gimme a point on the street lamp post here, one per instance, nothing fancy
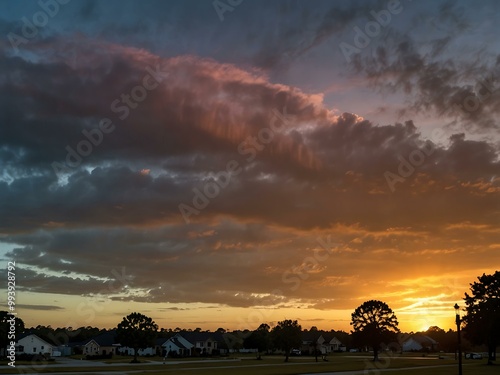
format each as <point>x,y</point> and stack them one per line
<point>458,321</point>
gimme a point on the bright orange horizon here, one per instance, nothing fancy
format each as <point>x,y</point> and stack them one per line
<point>414,313</point>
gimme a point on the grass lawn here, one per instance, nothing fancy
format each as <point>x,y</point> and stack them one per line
<point>127,359</point>
<point>297,365</point>
<point>468,369</point>
<point>276,366</point>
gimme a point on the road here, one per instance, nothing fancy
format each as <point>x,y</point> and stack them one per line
<point>378,371</point>
<point>67,362</point>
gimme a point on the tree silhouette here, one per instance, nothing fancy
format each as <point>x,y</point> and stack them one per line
<point>287,335</point>
<point>5,328</point>
<point>374,323</point>
<point>482,319</point>
<point>137,331</point>
<point>259,339</point>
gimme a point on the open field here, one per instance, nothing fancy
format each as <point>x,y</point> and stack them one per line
<point>272,365</point>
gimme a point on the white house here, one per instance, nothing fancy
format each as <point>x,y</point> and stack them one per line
<point>32,344</point>
<point>183,344</point>
<point>102,344</point>
<point>418,342</point>
<point>334,345</point>
<point>203,342</point>
<point>323,343</point>
<point>91,347</point>
<point>150,351</point>
<point>177,345</point>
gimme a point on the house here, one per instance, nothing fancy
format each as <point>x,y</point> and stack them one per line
<point>334,344</point>
<point>311,341</point>
<point>102,344</point>
<point>30,343</point>
<point>194,343</point>
<point>177,346</point>
<point>90,347</point>
<point>203,342</point>
<point>107,343</point>
<point>419,342</point>
<point>320,341</point>
<point>157,349</point>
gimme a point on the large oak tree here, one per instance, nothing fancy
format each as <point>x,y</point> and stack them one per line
<point>259,339</point>
<point>137,331</point>
<point>374,323</point>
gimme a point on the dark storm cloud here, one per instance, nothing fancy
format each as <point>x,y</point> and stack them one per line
<point>444,87</point>
<point>191,126</point>
<point>82,96</point>
<point>106,195</point>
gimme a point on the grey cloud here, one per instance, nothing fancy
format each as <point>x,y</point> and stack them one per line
<point>39,307</point>
<point>433,74</point>
<point>186,264</point>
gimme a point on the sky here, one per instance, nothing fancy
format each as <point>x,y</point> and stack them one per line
<point>231,163</point>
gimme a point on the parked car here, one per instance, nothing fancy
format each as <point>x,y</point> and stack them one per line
<point>473,356</point>
<point>295,352</point>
